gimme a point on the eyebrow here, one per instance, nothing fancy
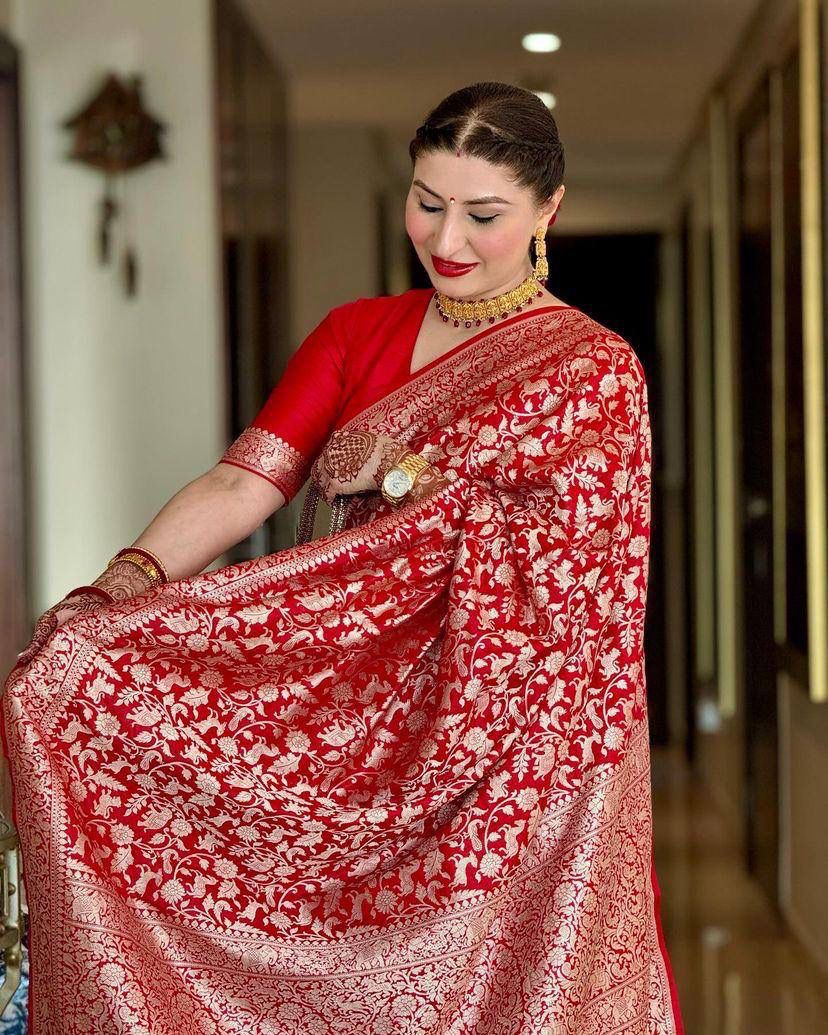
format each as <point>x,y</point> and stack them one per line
<point>490,199</point>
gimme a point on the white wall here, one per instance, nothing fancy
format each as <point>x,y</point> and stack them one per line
<point>334,174</point>
<point>125,396</point>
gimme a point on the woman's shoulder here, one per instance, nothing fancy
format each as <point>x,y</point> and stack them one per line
<point>610,340</point>
<point>598,350</point>
<point>377,308</point>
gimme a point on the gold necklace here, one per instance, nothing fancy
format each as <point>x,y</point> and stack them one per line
<point>480,309</point>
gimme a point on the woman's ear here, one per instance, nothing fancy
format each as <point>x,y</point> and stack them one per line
<point>551,207</point>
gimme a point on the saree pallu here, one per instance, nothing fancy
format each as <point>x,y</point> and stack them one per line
<point>392,780</point>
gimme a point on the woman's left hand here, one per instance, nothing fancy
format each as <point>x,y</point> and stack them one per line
<point>55,616</point>
<point>355,461</point>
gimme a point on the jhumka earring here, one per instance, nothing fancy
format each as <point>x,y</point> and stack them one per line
<point>541,267</point>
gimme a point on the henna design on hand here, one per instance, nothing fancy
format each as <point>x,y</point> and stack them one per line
<point>348,463</point>
<point>346,454</point>
<point>123,579</point>
<point>55,616</point>
<point>429,480</point>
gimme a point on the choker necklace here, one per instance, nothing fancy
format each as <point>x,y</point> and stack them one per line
<point>480,309</point>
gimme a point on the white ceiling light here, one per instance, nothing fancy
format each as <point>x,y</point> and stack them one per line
<point>547,97</point>
<point>541,42</point>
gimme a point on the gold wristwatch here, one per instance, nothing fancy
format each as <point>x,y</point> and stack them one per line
<point>400,478</point>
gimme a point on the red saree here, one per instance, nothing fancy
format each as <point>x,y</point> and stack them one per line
<point>392,780</point>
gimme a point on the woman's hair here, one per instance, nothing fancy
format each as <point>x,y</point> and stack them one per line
<point>504,124</point>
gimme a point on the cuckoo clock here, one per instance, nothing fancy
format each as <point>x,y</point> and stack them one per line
<point>116,134</point>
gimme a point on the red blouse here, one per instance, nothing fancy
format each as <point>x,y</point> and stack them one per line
<point>356,355</point>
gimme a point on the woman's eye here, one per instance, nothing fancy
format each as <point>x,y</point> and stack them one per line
<point>477,219</point>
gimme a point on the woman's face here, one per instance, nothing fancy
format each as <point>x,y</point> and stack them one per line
<point>492,236</point>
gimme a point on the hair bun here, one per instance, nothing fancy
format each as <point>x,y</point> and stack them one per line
<point>500,123</point>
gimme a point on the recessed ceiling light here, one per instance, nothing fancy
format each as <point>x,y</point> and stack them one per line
<point>541,42</point>
<point>547,97</point>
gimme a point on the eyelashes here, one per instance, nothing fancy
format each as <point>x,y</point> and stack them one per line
<point>477,219</point>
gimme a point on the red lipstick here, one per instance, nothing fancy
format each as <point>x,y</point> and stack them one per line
<point>452,269</point>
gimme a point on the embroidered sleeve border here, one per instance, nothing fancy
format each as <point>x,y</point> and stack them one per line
<point>269,456</point>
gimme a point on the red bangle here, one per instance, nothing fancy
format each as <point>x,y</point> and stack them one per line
<point>150,557</point>
<point>91,589</point>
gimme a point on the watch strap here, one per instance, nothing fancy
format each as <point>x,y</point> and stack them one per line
<point>410,462</point>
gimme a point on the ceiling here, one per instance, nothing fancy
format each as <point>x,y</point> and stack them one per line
<point>630,77</point>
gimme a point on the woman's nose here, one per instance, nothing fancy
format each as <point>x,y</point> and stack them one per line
<point>451,237</point>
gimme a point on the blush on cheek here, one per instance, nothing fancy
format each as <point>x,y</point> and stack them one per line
<point>499,245</point>
<point>416,228</point>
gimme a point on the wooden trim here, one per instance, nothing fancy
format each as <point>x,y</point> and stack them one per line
<point>724,264</point>
<point>813,347</point>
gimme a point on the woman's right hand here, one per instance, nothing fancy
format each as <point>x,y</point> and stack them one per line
<point>54,617</point>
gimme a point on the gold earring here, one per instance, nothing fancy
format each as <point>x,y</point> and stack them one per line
<point>541,267</point>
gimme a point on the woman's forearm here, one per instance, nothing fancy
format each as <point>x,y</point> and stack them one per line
<point>206,517</point>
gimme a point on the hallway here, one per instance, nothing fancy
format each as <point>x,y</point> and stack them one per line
<point>737,971</point>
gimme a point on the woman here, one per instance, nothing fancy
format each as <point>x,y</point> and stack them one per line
<point>394,779</point>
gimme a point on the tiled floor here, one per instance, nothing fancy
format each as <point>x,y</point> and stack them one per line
<point>737,970</point>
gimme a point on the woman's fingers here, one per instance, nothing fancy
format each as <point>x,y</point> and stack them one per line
<point>52,619</point>
<point>44,627</point>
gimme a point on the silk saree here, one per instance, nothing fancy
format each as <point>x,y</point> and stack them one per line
<point>391,780</point>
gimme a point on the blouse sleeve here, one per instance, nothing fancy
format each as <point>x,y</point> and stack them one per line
<point>290,430</point>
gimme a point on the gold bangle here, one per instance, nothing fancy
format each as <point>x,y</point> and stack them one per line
<point>148,568</point>
<point>151,558</point>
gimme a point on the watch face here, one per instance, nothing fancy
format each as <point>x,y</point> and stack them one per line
<point>397,482</point>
